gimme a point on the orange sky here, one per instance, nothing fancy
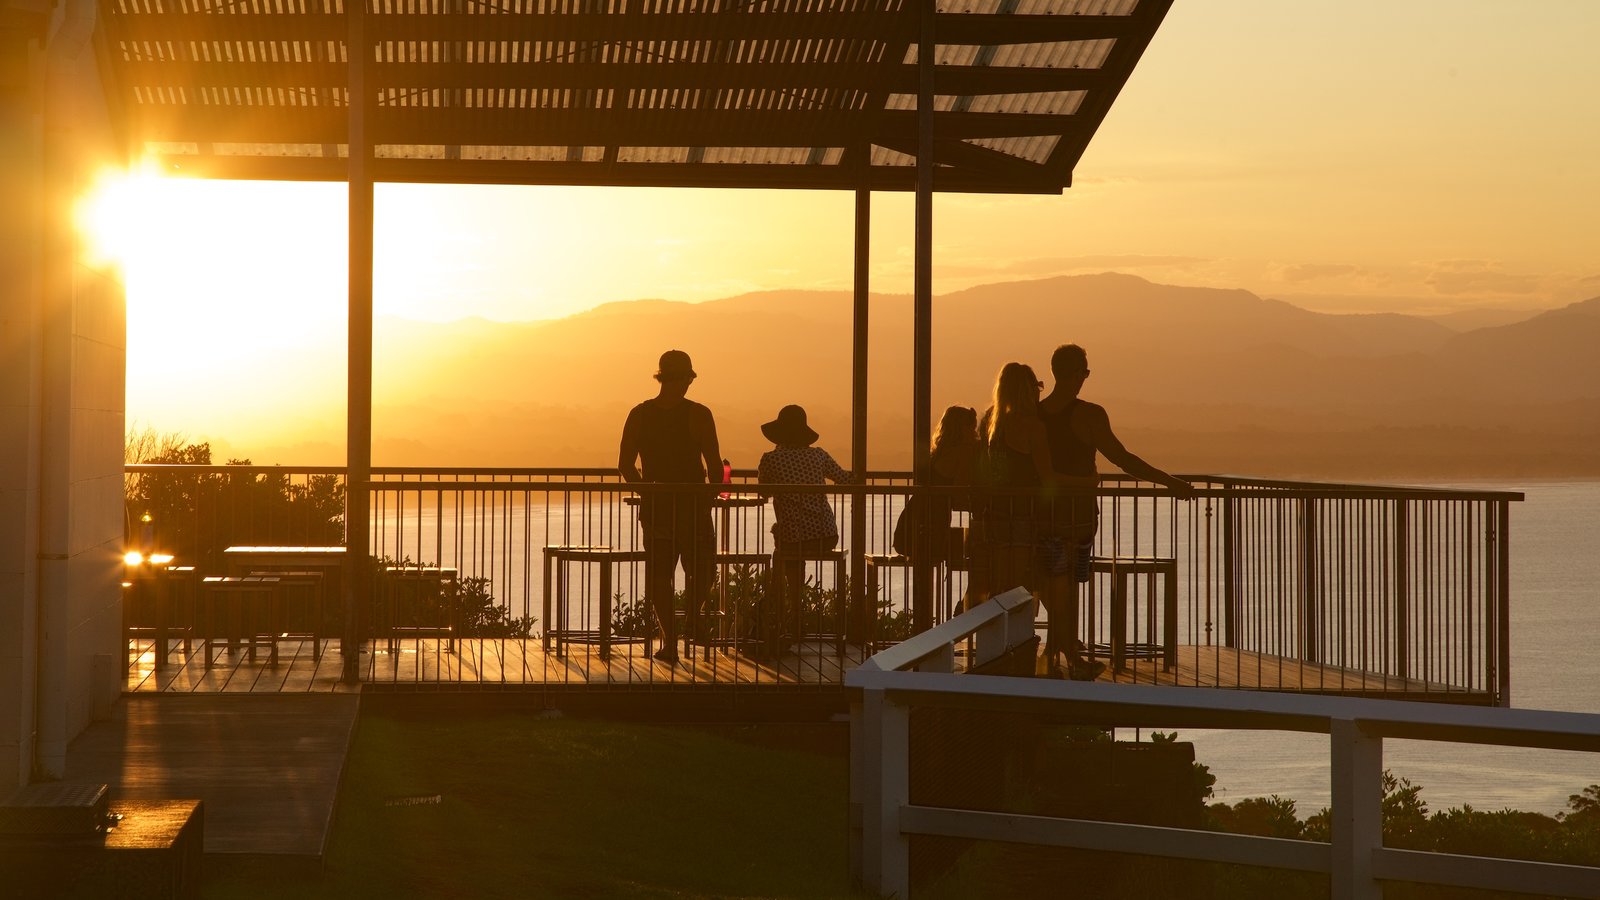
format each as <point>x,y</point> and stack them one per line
<point>1412,157</point>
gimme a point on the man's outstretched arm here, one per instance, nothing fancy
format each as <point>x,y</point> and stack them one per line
<point>628,451</point>
<point>1111,447</point>
<point>710,451</point>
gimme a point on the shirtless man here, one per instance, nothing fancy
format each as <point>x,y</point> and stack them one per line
<point>670,439</point>
<point>1077,430</point>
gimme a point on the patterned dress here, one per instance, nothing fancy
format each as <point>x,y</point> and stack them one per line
<point>801,517</point>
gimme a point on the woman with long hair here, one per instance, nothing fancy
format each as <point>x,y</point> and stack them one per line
<point>1017,467</point>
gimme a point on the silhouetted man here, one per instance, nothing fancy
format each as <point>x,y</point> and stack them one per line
<point>1077,430</point>
<point>674,441</point>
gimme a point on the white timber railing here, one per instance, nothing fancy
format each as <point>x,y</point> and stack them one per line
<point>921,673</point>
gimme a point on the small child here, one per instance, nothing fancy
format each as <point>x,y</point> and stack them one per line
<point>803,524</point>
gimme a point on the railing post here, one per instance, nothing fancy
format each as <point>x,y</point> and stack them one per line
<point>1310,599</point>
<point>1502,551</point>
<point>1357,762</point>
<point>1230,580</point>
<point>1402,587</point>
<point>885,789</point>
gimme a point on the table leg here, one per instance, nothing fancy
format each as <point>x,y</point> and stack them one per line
<point>163,613</point>
<point>549,625</point>
<point>1119,621</point>
<point>1169,619</point>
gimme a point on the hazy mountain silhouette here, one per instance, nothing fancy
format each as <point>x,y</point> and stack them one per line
<point>1197,379</point>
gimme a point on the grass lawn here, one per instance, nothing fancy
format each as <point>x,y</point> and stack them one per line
<point>529,806</point>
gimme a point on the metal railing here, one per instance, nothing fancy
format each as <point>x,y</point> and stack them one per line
<point>1254,584</point>
<point>921,674</point>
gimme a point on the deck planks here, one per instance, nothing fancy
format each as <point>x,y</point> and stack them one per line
<point>525,662</point>
<point>266,765</point>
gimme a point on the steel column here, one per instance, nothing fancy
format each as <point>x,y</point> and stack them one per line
<point>358,417</point>
<point>922,303</point>
<point>861,606</point>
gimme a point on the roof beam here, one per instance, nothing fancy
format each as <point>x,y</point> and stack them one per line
<point>900,78</point>
<point>715,25</point>
<point>561,127</point>
<point>470,171</point>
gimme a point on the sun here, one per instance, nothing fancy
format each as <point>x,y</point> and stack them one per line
<point>119,215</point>
<point>235,295</point>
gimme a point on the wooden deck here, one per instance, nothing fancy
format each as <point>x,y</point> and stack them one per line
<point>266,766</point>
<point>476,663</point>
<point>511,663</point>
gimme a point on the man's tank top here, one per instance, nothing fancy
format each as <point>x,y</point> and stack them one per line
<point>669,451</point>
<point>1073,456</point>
<point>1069,454</point>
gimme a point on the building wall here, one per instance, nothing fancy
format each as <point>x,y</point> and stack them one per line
<point>62,363</point>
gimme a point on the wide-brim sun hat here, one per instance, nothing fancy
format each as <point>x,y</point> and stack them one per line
<point>790,427</point>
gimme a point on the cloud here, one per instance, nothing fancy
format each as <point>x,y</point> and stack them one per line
<point>1591,279</point>
<point>1316,271</point>
<point>1453,277</point>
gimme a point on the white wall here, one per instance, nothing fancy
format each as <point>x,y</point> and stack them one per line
<point>62,360</point>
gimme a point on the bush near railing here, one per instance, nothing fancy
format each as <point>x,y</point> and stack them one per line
<point>197,510</point>
<point>467,602</point>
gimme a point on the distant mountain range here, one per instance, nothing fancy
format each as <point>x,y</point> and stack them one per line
<point>1196,379</point>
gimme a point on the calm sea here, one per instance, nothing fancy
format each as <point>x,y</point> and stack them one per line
<point>1555,664</point>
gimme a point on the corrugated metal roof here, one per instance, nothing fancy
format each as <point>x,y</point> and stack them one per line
<point>768,93</point>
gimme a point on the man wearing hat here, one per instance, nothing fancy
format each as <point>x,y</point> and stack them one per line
<point>803,524</point>
<point>670,439</point>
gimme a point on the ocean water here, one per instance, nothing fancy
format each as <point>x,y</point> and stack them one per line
<point>1555,664</point>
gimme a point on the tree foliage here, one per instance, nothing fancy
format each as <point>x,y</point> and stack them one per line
<point>195,515</point>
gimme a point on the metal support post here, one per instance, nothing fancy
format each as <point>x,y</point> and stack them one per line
<point>862,610</point>
<point>358,416</point>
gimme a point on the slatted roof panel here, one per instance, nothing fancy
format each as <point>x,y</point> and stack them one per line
<point>730,93</point>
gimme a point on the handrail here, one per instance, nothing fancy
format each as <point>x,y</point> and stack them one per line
<point>1207,485</point>
<point>1355,858</point>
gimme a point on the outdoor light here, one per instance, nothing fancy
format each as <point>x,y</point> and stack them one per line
<point>133,559</point>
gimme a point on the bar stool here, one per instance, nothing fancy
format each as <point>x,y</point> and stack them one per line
<point>557,558</point>
<point>240,609</point>
<point>726,615</point>
<point>301,607</point>
<point>836,558</point>
<point>1124,573</point>
<point>955,561</point>
<point>411,603</point>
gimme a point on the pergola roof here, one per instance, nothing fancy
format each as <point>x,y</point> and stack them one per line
<point>703,93</point>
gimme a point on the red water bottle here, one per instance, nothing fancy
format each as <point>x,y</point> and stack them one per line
<point>727,477</point>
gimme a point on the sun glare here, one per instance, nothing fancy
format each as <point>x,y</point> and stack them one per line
<point>115,216</point>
